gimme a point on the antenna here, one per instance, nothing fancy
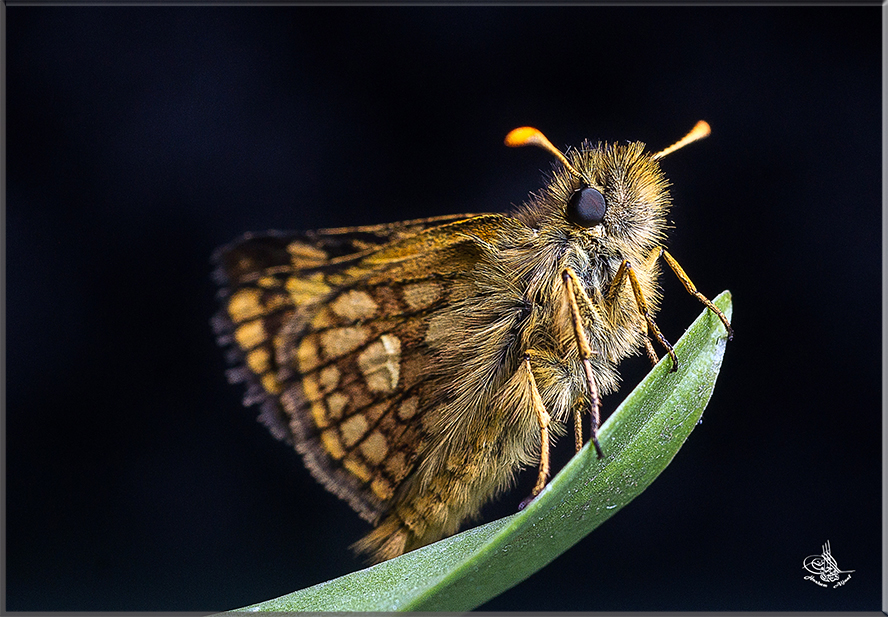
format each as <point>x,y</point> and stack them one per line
<point>700,130</point>
<point>529,136</point>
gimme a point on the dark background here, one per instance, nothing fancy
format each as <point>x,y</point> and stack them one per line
<point>139,139</point>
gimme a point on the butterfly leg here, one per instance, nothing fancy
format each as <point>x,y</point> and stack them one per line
<point>686,281</point>
<point>572,289</point>
<point>543,419</point>
<point>626,271</point>
<point>578,428</point>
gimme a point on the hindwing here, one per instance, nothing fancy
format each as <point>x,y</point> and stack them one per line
<point>327,329</point>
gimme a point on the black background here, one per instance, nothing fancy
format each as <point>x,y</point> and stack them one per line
<point>139,139</point>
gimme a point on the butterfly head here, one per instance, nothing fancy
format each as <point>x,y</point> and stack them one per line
<point>603,191</point>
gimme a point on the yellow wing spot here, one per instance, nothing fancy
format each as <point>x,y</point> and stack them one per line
<point>353,429</point>
<point>421,295</point>
<point>319,414</point>
<point>310,388</point>
<point>244,305</point>
<point>250,334</point>
<point>307,353</point>
<point>358,468</point>
<point>341,341</point>
<point>374,448</point>
<point>258,360</point>
<point>268,282</point>
<point>407,408</point>
<point>396,466</point>
<point>336,403</point>
<point>354,305</point>
<point>329,378</point>
<point>332,445</point>
<point>324,318</point>
<point>382,488</point>
<point>380,364</point>
<point>304,290</point>
<point>271,384</point>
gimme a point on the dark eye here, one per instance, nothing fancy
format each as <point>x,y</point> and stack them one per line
<point>586,207</point>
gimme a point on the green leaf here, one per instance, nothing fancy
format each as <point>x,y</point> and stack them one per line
<point>461,572</point>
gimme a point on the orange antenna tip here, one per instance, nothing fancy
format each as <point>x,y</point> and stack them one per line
<point>529,136</point>
<point>526,136</point>
<point>700,130</point>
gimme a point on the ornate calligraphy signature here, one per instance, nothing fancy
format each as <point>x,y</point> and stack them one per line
<point>824,565</point>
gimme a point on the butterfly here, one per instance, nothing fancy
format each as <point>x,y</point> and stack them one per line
<point>418,366</point>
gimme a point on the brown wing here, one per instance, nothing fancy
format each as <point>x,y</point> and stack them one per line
<point>331,342</point>
<point>264,277</point>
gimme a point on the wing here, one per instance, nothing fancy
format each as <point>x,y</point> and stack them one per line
<point>265,277</point>
<point>328,331</point>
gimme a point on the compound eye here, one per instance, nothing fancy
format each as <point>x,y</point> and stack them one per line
<point>586,207</point>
